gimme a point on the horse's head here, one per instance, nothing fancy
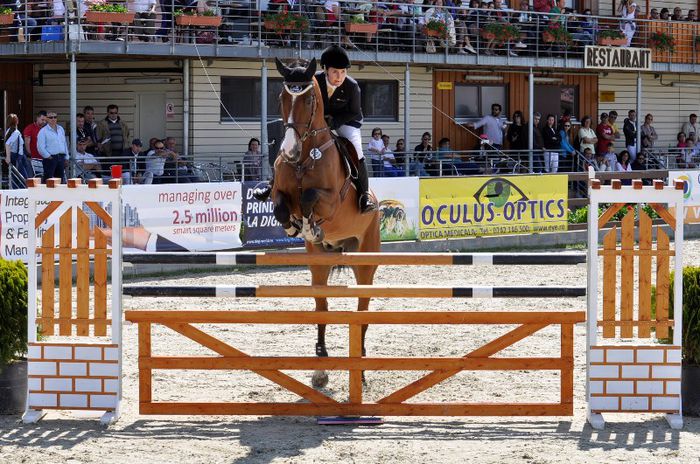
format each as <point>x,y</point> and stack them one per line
<point>299,101</point>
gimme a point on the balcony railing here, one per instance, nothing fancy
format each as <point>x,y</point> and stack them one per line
<point>230,27</point>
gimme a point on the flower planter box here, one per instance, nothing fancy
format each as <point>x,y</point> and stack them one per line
<point>612,42</point>
<point>277,27</point>
<point>191,20</point>
<point>364,28</point>
<point>7,19</point>
<point>102,17</point>
<point>547,37</point>
<point>433,33</point>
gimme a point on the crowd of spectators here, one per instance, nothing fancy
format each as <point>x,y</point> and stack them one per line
<point>102,148</point>
<point>503,146</point>
<point>400,22</point>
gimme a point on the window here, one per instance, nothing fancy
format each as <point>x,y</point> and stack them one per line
<point>556,100</point>
<point>380,100</point>
<point>474,101</point>
<point>241,97</point>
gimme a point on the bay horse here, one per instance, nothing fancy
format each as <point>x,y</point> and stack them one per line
<point>312,191</point>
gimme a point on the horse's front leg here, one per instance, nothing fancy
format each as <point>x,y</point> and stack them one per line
<point>319,276</point>
<point>282,213</point>
<point>316,203</point>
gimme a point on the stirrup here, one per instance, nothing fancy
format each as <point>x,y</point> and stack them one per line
<point>367,204</point>
<point>262,193</point>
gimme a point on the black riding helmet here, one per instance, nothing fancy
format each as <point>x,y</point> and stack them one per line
<point>335,57</point>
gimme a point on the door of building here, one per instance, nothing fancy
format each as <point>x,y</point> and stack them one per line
<point>150,116</point>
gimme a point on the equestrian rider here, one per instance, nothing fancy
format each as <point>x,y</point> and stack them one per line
<point>343,112</point>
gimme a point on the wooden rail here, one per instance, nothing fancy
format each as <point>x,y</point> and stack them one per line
<point>318,403</point>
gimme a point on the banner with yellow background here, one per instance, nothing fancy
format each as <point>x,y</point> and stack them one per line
<point>478,206</point>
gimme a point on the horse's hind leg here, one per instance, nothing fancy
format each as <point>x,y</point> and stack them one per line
<point>364,275</point>
<point>319,276</point>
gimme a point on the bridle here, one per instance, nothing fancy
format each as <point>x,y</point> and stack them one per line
<point>296,89</point>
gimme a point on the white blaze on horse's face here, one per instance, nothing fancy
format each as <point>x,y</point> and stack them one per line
<point>290,148</point>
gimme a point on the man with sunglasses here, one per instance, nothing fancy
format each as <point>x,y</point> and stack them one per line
<point>112,134</point>
<point>51,144</point>
<point>155,164</point>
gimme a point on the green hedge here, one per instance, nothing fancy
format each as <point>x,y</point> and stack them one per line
<point>13,310</point>
<point>691,314</point>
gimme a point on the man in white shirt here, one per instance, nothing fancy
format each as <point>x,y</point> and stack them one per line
<point>691,127</point>
<point>86,161</point>
<point>493,126</point>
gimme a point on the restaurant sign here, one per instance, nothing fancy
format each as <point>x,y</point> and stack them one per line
<point>623,58</point>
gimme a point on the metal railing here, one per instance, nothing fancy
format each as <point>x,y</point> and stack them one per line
<point>367,26</point>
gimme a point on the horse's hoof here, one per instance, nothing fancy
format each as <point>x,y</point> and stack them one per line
<point>319,379</point>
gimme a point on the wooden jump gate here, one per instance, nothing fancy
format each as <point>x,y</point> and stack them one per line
<point>231,358</point>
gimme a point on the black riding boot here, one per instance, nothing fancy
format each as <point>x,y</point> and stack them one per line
<point>367,203</point>
<point>262,193</point>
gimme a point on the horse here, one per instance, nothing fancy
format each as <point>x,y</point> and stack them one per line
<point>313,195</point>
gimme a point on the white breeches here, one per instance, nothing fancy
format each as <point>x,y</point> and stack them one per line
<point>354,135</point>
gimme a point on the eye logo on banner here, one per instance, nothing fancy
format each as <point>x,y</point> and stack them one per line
<point>499,191</point>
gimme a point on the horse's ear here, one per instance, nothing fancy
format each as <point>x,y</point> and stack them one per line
<point>281,68</point>
<point>311,69</point>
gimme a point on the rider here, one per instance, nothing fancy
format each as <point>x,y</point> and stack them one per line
<point>343,112</point>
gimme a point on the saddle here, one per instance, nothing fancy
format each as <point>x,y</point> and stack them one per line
<point>347,154</point>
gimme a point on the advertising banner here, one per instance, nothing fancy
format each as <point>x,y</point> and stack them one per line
<point>691,194</point>
<point>398,207</point>
<point>182,217</point>
<point>14,224</point>
<point>479,206</point>
<point>260,228</point>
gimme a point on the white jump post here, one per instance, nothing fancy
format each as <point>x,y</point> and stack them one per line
<point>624,377</point>
<point>64,374</point>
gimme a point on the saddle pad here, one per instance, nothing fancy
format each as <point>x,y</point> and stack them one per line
<point>347,151</point>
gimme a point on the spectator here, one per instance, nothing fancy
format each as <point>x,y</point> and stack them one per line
<point>627,12</point>
<point>130,161</point>
<point>422,154</point>
<point>90,128</point>
<point>691,126</point>
<point>665,15</point>
<point>552,143</point>
<point>462,21</point>
<point>600,163</point>
<point>85,161</point>
<point>649,135</point>
<point>14,150</point>
<point>682,140</point>
<point>654,14</point>
<point>677,14</point>
<point>588,154</point>
<point>449,160</point>
<point>400,154</point>
<point>630,130</point>
<point>155,164</point>
<point>81,133</point>
<point>112,134</point>
<point>526,23</point>
<point>624,164</point>
<point>51,143</point>
<point>564,135</point>
<point>692,16</point>
<point>538,143</point>
<point>586,135</point>
<point>640,164</point>
<point>252,161</point>
<point>144,19</point>
<point>493,126</point>
<point>376,149</point>
<point>612,121</point>
<point>501,16</point>
<point>583,28</point>
<point>604,133</point>
<point>517,133</point>
<point>177,167</point>
<point>390,168</point>
<point>611,156</point>
<point>686,147</point>
<point>31,134</point>
<point>441,14</point>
